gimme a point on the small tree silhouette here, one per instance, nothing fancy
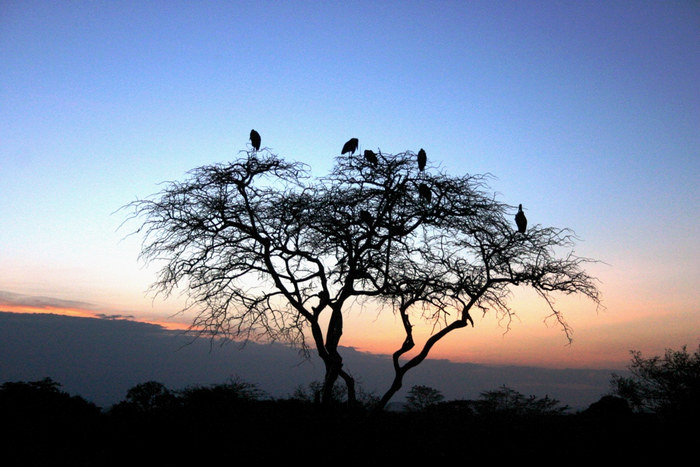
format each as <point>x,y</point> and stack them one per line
<point>149,396</point>
<point>266,252</point>
<point>508,401</point>
<point>668,384</point>
<point>421,397</point>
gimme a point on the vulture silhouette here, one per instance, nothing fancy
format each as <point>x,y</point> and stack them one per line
<point>422,159</point>
<point>350,146</point>
<point>521,220</point>
<point>255,139</point>
<point>371,157</point>
<point>366,217</point>
<point>424,192</point>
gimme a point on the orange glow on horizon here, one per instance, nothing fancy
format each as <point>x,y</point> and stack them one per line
<point>80,313</point>
<point>601,339</point>
<point>49,310</point>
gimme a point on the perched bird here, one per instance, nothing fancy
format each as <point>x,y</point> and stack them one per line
<point>366,217</point>
<point>424,192</point>
<point>255,139</point>
<point>521,220</point>
<point>371,157</point>
<point>422,159</point>
<point>350,146</point>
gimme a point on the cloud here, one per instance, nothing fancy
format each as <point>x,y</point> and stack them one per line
<point>11,299</point>
<point>106,316</point>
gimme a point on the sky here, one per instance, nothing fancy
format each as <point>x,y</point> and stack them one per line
<point>587,113</point>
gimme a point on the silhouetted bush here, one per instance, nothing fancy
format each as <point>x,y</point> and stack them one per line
<point>668,385</point>
<point>223,396</point>
<point>146,398</point>
<point>507,401</point>
<point>339,395</point>
<point>41,422</point>
<point>609,406</point>
<point>421,397</point>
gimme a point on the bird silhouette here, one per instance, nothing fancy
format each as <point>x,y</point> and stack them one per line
<point>371,157</point>
<point>255,139</point>
<point>350,146</point>
<point>366,217</point>
<point>422,159</point>
<point>521,220</point>
<point>424,192</point>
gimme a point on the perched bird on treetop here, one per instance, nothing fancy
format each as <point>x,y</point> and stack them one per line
<point>255,139</point>
<point>521,220</point>
<point>350,146</point>
<point>371,157</point>
<point>422,159</point>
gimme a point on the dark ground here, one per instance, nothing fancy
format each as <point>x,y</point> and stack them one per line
<point>68,430</point>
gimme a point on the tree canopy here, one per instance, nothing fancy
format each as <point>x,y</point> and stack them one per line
<point>668,384</point>
<point>266,251</point>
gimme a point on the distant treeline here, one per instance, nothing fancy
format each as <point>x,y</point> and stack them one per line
<point>236,421</point>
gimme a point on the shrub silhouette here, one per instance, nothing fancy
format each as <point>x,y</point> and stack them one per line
<point>609,406</point>
<point>421,397</point>
<point>507,401</point>
<point>667,385</point>
<point>43,423</point>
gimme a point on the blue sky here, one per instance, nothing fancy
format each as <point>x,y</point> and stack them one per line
<point>588,113</point>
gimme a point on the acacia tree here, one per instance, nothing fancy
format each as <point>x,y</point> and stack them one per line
<point>421,397</point>
<point>668,384</point>
<point>266,252</point>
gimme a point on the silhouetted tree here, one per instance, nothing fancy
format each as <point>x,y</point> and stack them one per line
<point>421,397</point>
<point>42,424</point>
<point>42,397</point>
<point>668,384</point>
<point>217,397</point>
<point>149,396</point>
<point>511,402</point>
<point>265,252</point>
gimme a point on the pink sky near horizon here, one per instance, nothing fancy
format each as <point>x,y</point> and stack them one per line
<point>601,338</point>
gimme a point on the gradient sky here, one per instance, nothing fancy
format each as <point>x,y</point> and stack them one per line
<point>588,113</point>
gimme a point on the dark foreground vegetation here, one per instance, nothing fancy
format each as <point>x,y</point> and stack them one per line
<point>235,422</point>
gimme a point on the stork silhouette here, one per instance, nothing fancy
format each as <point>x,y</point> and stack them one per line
<point>371,157</point>
<point>350,146</point>
<point>422,159</point>
<point>521,220</point>
<point>255,139</point>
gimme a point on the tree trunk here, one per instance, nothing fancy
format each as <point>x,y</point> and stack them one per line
<point>395,386</point>
<point>334,362</point>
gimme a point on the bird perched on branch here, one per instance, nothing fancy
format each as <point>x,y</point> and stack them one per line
<point>255,139</point>
<point>371,157</point>
<point>366,217</point>
<point>521,220</point>
<point>350,146</point>
<point>424,192</point>
<point>422,159</point>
